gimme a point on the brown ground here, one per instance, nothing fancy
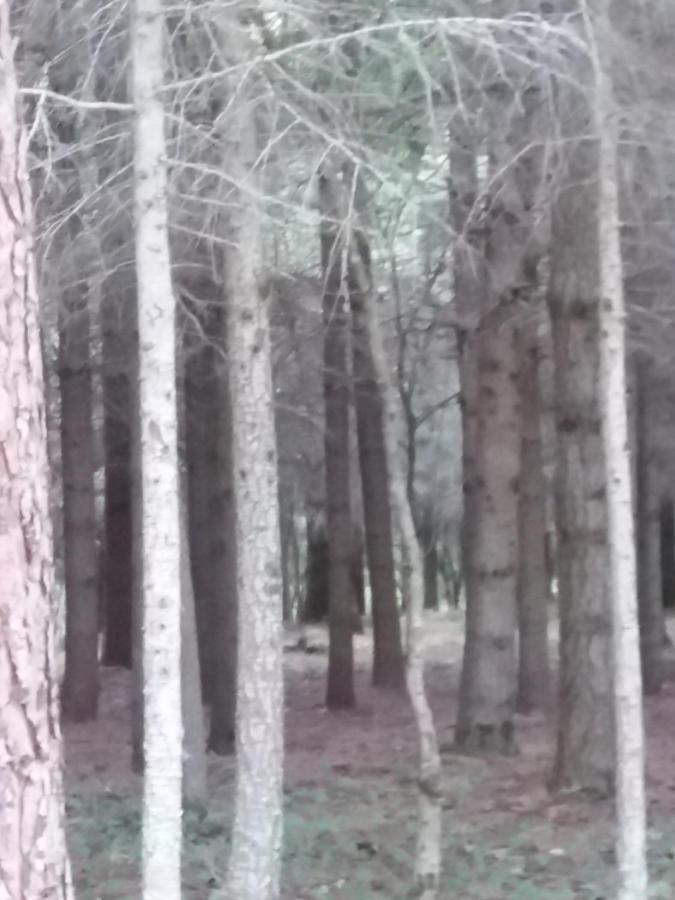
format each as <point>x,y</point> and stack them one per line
<point>350,818</point>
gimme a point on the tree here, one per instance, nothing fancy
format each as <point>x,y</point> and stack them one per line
<point>533,582</point>
<point>585,742</point>
<point>340,686</point>
<point>627,678</point>
<point>255,860</point>
<point>80,686</point>
<point>161,561</point>
<point>388,660</point>
<point>33,857</point>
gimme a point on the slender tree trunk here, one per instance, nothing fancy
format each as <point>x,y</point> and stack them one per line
<point>649,482</point>
<point>585,740</point>
<point>533,584</point>
<point>33,857</point>
<point>431,563</point>
<point>117,554</point>
<point>428,849</point>
<point>80,687</point>
<point>388,659</point>
<point>194,742</point>
<point>627,682</point>
<point>255,860</point>
<point>340,687</point>
<point>162,602</point>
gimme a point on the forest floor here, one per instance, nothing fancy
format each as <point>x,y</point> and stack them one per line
<point>351,801</point>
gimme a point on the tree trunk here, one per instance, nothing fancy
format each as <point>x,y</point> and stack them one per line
<point>80,687</point>
<point>627,681</point>
<point>429,541</point>
<point>194,745</point>
<point>315,605</point>
<point>118,526</point>
<point>428,849</point>
<point>224,587</point>
<point>255,860</point>
<point>340,687</point>
<point>162,602</point>
<point>533,582</point>
<point>388,659</point>
<point>585,745</point>
<point>33,857</point>
<point>488,685</point>
<point>649,493</point>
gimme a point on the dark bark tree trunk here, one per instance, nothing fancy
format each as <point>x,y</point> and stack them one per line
<point>80,685</point>
<point>117,554</point>
<point>33,856</point>
<point>340,686</point>
<point>388,660</point>
<point>533,582</point>
<point>650,466</point>
<point>585,742</point>
<point>667,518</point>
<point>315,605</point>
<point>212,521</point>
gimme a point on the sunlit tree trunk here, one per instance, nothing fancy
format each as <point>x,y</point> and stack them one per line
<point>627,682</point>
<point>162,729</point>
<point>80,687</point>
<point>33,858</point>
<point>255,859</point>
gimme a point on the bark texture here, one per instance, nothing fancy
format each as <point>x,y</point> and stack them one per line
<point>534,683</point>
<point>255,860</point>
<point>33,857</point>
<point>340,687</point>
<point>585,740</point>
<point>504,234</point>
<point>80,685</point>
<point>162,721</point>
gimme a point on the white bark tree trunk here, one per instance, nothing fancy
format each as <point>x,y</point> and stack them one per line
<point>33,857</point>
<point>255,861</point>
<point>162,731</point>
<point>627,682</point>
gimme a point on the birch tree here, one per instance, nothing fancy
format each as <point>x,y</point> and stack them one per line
<point>161,558</point>
<point>33,857</point>
<point>627,680</point>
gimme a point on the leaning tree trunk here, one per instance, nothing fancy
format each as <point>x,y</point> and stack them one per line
<point>162,721</point>
<point>388,659</point>
<point>533,581</point>
<point>340,687</point>
<point>627,681</point>
<point>585,745</point>
<point>650,466</point>
<point>33,857</point>
<point>80,686</point>
<point>255,860</point>
<point>428,849</point>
